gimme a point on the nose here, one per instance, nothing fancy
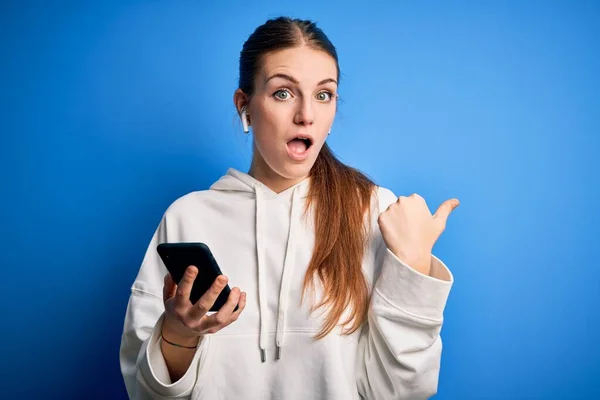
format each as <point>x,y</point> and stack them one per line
<point>304,114</point>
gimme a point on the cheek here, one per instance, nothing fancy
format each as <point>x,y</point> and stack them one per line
<point>272,120</point>
<point>329,113</point>
<point>266,128</point>
<point>265,115</point>
<point>325,121</point>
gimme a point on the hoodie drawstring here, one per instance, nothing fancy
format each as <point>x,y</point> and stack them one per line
<point>288,267</point>
<point>262,301</point>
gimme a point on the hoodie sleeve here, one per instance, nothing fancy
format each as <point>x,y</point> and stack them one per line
<point>142,364</point>
<point>400,347</point>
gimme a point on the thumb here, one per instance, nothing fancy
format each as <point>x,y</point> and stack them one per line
<point>169,288</point>
<point>443,212</point>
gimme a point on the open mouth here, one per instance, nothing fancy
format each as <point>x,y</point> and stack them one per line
<point>299,145</point>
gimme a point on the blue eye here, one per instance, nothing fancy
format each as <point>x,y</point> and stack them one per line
<point>282,94</point>
<point>324,96</point>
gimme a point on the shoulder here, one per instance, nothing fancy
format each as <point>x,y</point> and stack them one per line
<point>188,203</point>
<point>382,198</point>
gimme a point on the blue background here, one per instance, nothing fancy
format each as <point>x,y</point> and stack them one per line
<point>111,111</point>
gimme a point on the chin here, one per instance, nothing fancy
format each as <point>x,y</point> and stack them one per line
<point>295,171</point>
<point>292,170</point>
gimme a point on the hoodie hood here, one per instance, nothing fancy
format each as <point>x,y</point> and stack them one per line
<point>236,181</point>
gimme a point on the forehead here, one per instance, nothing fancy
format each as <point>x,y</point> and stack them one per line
<point>305,64</point>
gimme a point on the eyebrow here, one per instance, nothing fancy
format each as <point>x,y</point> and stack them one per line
<point>292,79</point>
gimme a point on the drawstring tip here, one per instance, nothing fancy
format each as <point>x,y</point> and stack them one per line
<point>278,352</point>
<point>263,355</point>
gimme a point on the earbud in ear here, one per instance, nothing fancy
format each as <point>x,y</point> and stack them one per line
<point>245,120</point>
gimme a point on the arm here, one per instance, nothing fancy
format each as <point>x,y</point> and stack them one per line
<point>146,371</point>
<point>177,358</point>
<point>400,346</point>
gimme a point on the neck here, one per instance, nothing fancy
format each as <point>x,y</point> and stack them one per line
<point>260,171</point>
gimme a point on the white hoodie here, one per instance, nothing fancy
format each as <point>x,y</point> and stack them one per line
<point>264,246</point>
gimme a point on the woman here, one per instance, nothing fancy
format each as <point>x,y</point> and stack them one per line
<point>340,295</point>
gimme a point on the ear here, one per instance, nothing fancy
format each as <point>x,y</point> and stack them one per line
<point>240,99</point>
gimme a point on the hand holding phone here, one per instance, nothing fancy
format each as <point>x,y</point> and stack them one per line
<point>184,320</point>
<point>179,256</point>
<point>194,286</point>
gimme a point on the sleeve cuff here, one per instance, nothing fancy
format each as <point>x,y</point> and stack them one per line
<point>154,368</point>
<point>413,292</point>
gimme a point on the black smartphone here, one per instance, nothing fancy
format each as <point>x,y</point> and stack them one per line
<point>177,257</point>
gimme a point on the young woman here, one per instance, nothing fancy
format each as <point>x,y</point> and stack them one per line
<point>339,295</point>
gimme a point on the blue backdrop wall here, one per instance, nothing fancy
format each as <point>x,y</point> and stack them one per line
<point>110,111</point>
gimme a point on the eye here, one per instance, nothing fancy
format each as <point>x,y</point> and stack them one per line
<point>282,94</point>
<point>324,96</point>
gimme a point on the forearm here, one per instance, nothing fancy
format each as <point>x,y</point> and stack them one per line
<point>400,348</point>
<point>178,359</point>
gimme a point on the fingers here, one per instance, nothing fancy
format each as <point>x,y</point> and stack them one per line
<point>232,301</point>
<point>208,299</point>
<point>443,212</point>
<point>413,196</point>
<point>185,286</point>
<point>241,305</point>
<point>225,315</point>
<point>169,287</point>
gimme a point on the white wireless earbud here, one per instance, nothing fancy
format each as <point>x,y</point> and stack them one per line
<point>245,120</point>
